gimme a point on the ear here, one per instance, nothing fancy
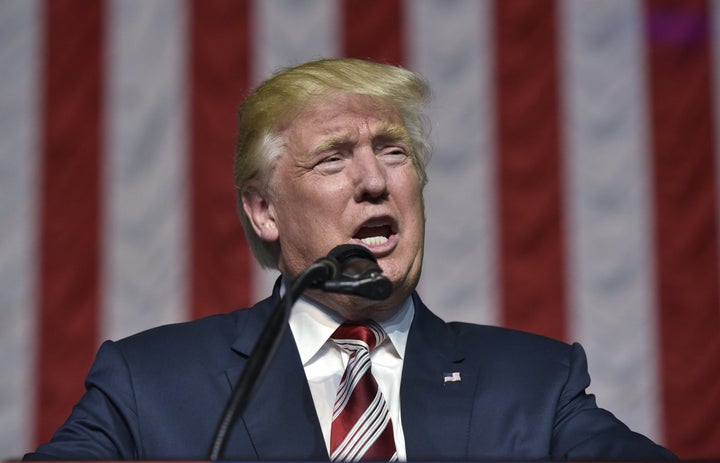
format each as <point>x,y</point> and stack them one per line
<point>260,212</point>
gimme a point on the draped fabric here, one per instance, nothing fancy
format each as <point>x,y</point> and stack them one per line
<point>573,186</point>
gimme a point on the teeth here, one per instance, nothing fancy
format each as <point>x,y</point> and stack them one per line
<point>374,240</point>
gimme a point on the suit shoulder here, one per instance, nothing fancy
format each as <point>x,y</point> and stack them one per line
<point>487,342</point>
<point>183,331</point>
<point>208,335</point>
<point>499,333</point>
<point>508,342</point>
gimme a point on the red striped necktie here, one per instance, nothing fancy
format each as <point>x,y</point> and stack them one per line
<point>361,427</point>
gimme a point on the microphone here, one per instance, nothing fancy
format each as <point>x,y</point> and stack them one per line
<point>353,269</point>
<point>347,269</point>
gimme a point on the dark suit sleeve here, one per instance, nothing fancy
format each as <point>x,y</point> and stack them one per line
<point>101,426</point>
<point>582,431</point>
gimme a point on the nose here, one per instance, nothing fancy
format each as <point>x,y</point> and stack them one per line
<point>370,177</point>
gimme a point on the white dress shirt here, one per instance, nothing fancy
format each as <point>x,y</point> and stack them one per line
<point>324,362</point>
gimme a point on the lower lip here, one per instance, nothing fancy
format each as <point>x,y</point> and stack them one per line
<point>380,250</point>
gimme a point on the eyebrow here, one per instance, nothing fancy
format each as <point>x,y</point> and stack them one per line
<point>387,133</point>
<point>332,143</point>
<point>393,133</point>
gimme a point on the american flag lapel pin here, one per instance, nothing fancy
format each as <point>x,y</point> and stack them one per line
<point>451,377</point>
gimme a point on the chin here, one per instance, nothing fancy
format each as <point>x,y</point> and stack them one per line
<point>356,308</point>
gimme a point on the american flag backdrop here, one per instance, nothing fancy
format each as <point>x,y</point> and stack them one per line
<point>573,187</point>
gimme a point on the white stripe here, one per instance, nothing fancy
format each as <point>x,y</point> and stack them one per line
<point>365,431</point>
<point>20,131</point>
<point>355,370</point>
<point>20,36</point>
<point>451,46</point>
<point>145,175</point>
<point>374,426</point>
<point>609,205</point>
<point>290,32</point>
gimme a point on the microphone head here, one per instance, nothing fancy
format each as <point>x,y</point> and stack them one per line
<point>345,251</point>
<point>360,273</point>
<point>355,261</point>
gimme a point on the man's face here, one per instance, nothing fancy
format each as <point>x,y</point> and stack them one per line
<point>347,176</point>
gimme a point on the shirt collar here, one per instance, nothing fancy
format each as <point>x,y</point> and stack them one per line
<point>312,324</point>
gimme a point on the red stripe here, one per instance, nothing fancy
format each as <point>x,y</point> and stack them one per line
<point>221,263</point>
<point>69,241</point>
<point>529,167</point>
<point>686,224</point>
<point>373,29</point>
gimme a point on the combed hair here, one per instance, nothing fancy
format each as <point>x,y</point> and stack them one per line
<point>268,110</point>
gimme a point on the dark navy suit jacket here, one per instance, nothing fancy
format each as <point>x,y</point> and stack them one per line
<point>159,394</point>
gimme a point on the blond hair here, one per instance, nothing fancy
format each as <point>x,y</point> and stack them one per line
<point>268,110</point>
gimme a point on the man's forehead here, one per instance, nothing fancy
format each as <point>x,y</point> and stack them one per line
<point>376,128</point>
<point>343,118</point>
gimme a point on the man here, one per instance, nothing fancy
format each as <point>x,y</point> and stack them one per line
<point>334,152</point>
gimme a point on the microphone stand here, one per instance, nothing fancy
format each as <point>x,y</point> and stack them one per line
<point>262,354</point>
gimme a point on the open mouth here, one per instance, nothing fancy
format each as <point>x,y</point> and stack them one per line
<point>374,234</point>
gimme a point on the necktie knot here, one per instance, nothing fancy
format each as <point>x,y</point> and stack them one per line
<point>353,336</point>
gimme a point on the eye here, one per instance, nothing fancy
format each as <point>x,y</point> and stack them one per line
<point>330,164</point>
<point>332,158</point>
<point>394,154</point>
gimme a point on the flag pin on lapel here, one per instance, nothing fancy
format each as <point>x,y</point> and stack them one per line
<point>451,377</point>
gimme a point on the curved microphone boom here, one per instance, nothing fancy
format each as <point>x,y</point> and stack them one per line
<point>347,269</point>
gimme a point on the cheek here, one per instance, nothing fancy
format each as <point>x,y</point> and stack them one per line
<point>412,199</point>
<point>316,207</point>
<point>326,198</point>
<point>332,188</point>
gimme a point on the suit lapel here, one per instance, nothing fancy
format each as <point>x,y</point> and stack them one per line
<point>436,412</point>
<point>280,418</point>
